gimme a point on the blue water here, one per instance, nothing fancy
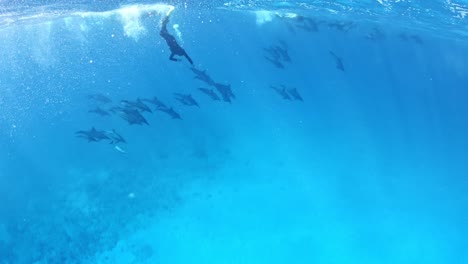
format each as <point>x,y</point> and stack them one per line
<point>371,167</point>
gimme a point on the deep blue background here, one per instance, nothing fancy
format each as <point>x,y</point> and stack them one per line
<point>370,168</point>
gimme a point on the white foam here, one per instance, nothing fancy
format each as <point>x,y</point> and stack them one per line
<point>263,16</point>
<point>178,33</point>
<point>41,51</point>
<point>158,8</point>
<point>459,10</point>
<point>78,27</point>
<point>130,16</point>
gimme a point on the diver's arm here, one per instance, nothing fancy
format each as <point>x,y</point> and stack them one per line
<point>172,57</point>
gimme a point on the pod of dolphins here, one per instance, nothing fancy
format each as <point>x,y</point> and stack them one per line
<point>276,54</point>
<point>132,111</point>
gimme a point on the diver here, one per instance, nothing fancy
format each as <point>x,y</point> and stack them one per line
<point>175,48</point>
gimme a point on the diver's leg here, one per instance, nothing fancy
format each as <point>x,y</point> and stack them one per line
<point>163,31</point>
<point>166,21</point>
<point>164,24</point>
<point>188,58</point>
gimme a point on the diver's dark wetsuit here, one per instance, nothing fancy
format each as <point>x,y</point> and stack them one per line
<point>175,48</point>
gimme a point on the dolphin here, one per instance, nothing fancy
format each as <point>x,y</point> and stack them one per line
<point>225,91</point>
<point>186,99</point>
<point>138,104</point>
<point>99,111</point>
<point>202,76</point>
<point>210,93</point>
<point>170,111</point>
<point>115,137</point>
<point>155,101</point>
<point>134,117</point>
<point>275,62</point>
<point>99,98</point>
<point>306,23</point>
<point>284,54</point>
<point>131,115</point>
<point>282,50</point>
<point>341,25</point>
<point>277,54</point>
<point>281,91</point>
<point>411,37</point>
<point>116,110</point>
<point>272,52</point>
<point>416,39</point>
<point>295,94</point>
<point>376,34</point>
<point>92,135</point>
<point>338,61</point>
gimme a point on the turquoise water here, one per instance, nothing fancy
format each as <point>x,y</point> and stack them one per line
<point>369,167</point>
